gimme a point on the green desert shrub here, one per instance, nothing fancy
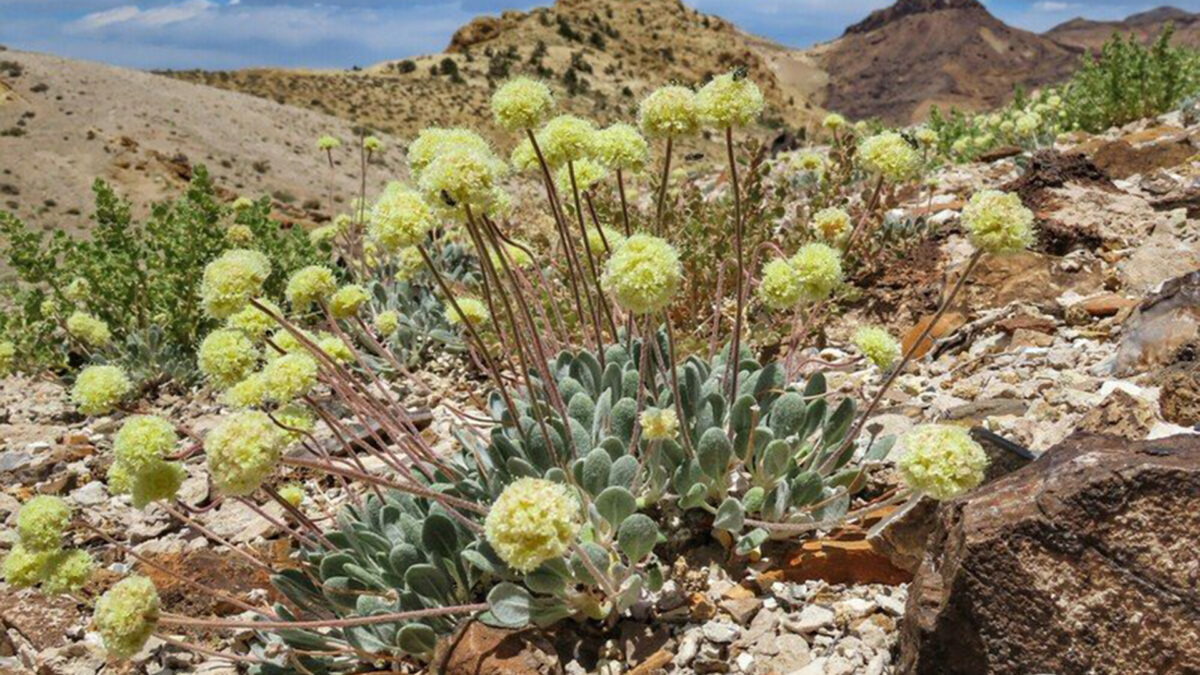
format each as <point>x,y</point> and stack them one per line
<point>135,281</point>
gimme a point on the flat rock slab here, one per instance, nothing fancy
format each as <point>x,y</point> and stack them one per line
<point>1083,561</point>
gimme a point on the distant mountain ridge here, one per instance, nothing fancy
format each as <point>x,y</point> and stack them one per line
<point>1090,35</point>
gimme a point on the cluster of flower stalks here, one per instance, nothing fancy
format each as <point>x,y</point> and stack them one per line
<point>599,444</point>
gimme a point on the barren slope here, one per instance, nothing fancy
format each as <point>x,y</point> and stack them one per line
<point>1091,35</point>
<point>64,123</point>
<point>607,53</point>
<point>901,60</point>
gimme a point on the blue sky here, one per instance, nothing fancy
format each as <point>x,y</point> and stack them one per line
<point>343,33</point>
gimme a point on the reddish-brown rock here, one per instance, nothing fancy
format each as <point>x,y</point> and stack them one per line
<point>1083,561</point>
<point>480,649</point>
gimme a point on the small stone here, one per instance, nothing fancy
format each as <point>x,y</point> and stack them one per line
<point>854,608</point>
<point>792,654</point>
<point>741,609</point>
<point>92,494</point>
<point>892,605</point>
<point>745,662</point>
<point>816,667</point>
<point>810,619</point>
<point>689,647</point>
<point>721,632</point>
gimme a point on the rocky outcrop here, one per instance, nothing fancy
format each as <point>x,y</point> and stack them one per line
<point>1165,323</point>
<point>1083,561</point>
<point>903,8</point>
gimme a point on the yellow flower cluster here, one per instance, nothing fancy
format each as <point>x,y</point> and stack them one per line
<point>588,172</point>
<point>289,377</point>
<point>310,285</point>
<point>926,137</point>
<point>239,235</point>
<point>941,460</point>
<point>464,176</point>
<point>98,389</point>
<point>242,450</point>
<point>78,290</point>
<point>140,468</point>
<point>88,329</point>
<point>780,287</point>
<point>335,348</point>
<point>729,100</point>
<point>126,615</point>
<point>387,323</point>
<point>659,424</point>
<point>400,218</point>
<point>997,222</point>
<point>408,263</point>
<point>231,280</point>
<point>643,274</point>
<point>372,144</point>
<point>292,493</point>
<point>621,147</point>
<point>474,311</point>
<point>596,240</point>
<point>254,322</point>
<point>435,141</point>
<point>669,112</point>
<point>522,103</point>
<point>40,523</point>
<point>248,393</point>
<point>819,268</point>
<point>534,520</point>
<point>66,571</point>
<point>833,122</point>
<point>888,155</point>
<point>524,157</point>
<point>38,556</point>
<point>8,356</point>
<point>831,223</point>
<point>328,143</point>
<point>877,345</point>
<point>226,355</point>
<point>566,138</point>
<point>807,162</point>
<point>346,302</point>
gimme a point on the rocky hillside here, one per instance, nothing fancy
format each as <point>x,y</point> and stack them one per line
<point>1087,34</point>
<point>903,59</point>
<point>607,54</point>
<point>65,123</point>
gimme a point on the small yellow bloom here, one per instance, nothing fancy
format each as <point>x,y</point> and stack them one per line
<point>533,520</point>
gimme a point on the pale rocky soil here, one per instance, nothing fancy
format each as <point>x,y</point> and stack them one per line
<point>1042,344</point>
<point>64,123</point>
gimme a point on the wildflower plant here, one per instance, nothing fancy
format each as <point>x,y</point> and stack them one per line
<point>596,428</point>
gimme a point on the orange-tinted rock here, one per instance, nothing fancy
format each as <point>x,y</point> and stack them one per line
<point>948,323</point>
<point>846,560</point>
<point>1107,304</point>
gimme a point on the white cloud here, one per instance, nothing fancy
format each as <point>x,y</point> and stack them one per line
<point>131,15</point>
<point>1054,6</point>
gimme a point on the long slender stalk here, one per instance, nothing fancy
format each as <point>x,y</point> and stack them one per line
<point>662,187</point>
<point>397,617</point>
<point>732,362</point>
<point>904,361</point>
<point>178,515</point>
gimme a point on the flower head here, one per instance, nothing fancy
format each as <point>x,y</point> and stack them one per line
<point>997,222</point>
<point>126,615</point>
<point>588,172</point>
<point>78,290</point>
<point>659,424</point>
<point>603,241</point>
<point>328,142</point>
<point>66,571</point>
<point>926,137</point>
<point>567,138</point>
<point>518,256</point>
<point>335,348</point>
<point>533,520</point>
<point>831,223</point>
<point>941,460</point>
<point>409,263</point>
<point>239,235</point>
<point>248,393</point>
<point>643,274</point>
<point>888,155</point>
<point>400,218</point>
<point>242,450</point>
<point>23,568</point>
<point>522,103</point>
<point>41,521</point>
<point>877,345</point>
<point>226,355</point>
<point>309,285</point>
<point>474,311</point>
<point>462,175</point>
<point>387,323</point>
<point>781,287</point>
<point>289,376</point>
<point>820,270</point>
<point>242,203</point>
<point>99,389</point>
<point>372,144</point>
<point>159,481</point>
<point>808,162</point>
<point>729,101</point>
<point>143,440</point>
<point>669,111</point>
<point>8,354</point>
<point>346,302</point>
<point>434,141</point>
<point>88,329</point>
<point>254,322</point>
<point>292,493</point>
<point>322,235</point>
<point>232,280</point>
<point>622,148</point>
<point>833,122</point>
<point>1027,124</point>
<point>524,157</point>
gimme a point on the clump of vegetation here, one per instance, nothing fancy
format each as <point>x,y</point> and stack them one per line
<point>602,438</point>
<point>127,293</point>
